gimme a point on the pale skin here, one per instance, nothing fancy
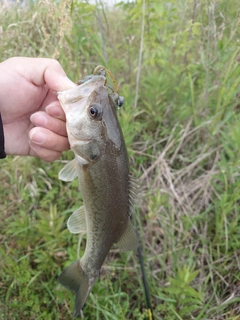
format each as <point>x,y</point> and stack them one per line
<point>33,120</point>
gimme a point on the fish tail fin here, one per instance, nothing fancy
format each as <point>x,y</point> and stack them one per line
<point>76,280</point>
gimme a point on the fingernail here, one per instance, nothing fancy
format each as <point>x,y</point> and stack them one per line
<point>37,137</point>
<point>54,111</point>
<point>38,119</point>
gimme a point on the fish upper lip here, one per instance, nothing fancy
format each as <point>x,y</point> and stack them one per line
<point>95,78</point>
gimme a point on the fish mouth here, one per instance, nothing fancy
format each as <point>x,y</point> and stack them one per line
<point>95,78</point>
<point>82,91</point>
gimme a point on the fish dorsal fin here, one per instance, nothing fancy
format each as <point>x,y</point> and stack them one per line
<point>77,222</point>
<point>133,193</point>
<point>128,240</point>
<point>69,172</point>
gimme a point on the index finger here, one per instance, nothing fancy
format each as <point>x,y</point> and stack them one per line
<point>55,110</point>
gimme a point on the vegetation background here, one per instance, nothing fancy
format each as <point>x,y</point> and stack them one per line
<point>176,62</point>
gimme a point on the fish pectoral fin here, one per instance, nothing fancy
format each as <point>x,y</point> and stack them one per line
<point>77,222</point>
<point>128,240</point>
<point>76,280</point>
<point>69,172</point>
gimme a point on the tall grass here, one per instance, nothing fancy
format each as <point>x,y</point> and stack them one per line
<point>183,140</point>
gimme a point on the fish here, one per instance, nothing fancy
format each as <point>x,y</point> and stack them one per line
<point>108,190</point>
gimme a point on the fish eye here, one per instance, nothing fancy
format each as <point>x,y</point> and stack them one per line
<point>95,111</point>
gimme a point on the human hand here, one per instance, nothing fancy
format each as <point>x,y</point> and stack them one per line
<point>33,120</point>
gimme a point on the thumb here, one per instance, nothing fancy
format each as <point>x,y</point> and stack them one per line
<point>55,77</point>
<point>41,71</point>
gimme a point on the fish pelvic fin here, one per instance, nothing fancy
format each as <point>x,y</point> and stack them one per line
<point>75,279</point>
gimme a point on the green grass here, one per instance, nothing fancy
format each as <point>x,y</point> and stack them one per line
<point>183,141</point>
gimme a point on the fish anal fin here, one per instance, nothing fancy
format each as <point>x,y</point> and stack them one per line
<point>76,280</point>
<point>128,240</point>
<point>77,222</point>
<point>69,172</point>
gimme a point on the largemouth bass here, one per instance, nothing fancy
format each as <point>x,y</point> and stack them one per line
<point>101,165</point>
